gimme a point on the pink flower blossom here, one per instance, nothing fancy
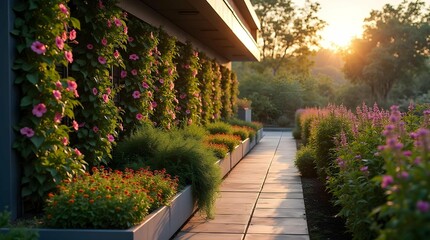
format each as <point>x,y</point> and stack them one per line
<point>403,175</point>
<point>95,129</point>
<point>105,98</point>
<point>95,91</point>
<point>194,72</point>
<point>102,60</point>
<point>139,116</point>
<point>104,41</point>
<point>39,110</point>
<point>71,85</point>
<point>57,94</point>
<point>63,8</point>
<point>145,85</point>
<point>59,42</point>
<point>187,111</point>
<point>161,80</point>
<point>170,71</point>
<point>123,73</point>
<point>133,57</point>
<point>38,47</point>
<point>187,66</point>
<point>64,36</point>
<point>130,39</point>
<point>58,117</point>
<point>136,94</point>
<point>69,56</point>
<point>149,94</point>
<point>75,125</point>
<point>134,72</point>
<point>90,46</point>
<point>117,22</point>
<point>101,4</point>
<point>364,169</point>
<point>77,152</point>
<point>182,96</point>
<point>108,91</point>
<point>172,85</point>
<point>109,24</point>
<point>154,104</point>
<point>110,138</point>
<point>65,141</point>
<point>72,35</point>
<point>386,181</point>
<point>58,85</point>
<point>125,30</point>
<point>116,54</point>
<point>423,206</point>
<point>26,131</point>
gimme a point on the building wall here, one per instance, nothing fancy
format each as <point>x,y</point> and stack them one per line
<point>9,185</point>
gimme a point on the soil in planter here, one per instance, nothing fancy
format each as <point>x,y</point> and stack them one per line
<point>321,214</point>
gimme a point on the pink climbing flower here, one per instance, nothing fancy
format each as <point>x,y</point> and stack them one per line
<point>90,46</point>
<point>154,104</point>
<point>69,56</point>
<point>139,116</point>
<point>170,71</point>
<point>183,95</point>
<point>59,42</point>
<point>75,125</point>
<point>95,91</point>
<point>58,85</point>
<point>65,141</point>
<point>95,129</point>
<point>72,35</point>
<point>187,66</point>
<point>172,85</point>
<point>117,22</point>
<point>386,181</point>
<point>26,131</point>
<point>102,60</point>
<point>109,23</point>
<point>57,118</point>
<point>125,30</point>
<point>57,94</point>
<point>108,91</point>
<point>130,39</point>
<point>136,94</point>
<point>133,57</point>
<point>64,36</point>
<point>39,110</point>
<point>423,206</point>
<point>145,85</point>
<point>77,152</point>
<point>63,8</point>
<point>71,85</point>
<point>149,94</point>
<point>161,80</point>
<point>116,54</point>
<point>187,111</point>
<point>195,72</point>
<point>38,47</point>
<point>104,41</point>
<point>134,72</point>
<point>105,98</point>
<point>123,73</point>
<point>110,138</point>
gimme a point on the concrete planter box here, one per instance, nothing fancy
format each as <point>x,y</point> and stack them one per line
<point>236,155</point>
<point>225,165</point>
<point>160,224</point>
<point>259,135</point>
<point>246,146</point>
<point>244,114</point>
<point>253,142</point>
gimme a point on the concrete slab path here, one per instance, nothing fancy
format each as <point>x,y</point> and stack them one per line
<point>261,198</point>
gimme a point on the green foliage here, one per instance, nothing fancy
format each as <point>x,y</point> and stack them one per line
<point>243,132</point>
<point>216,91</point>
<point>109,199</point>
<point>305,161</point>
<point>297,131</point>
<point>394,47</point>
<point>42,35</point>
<point>103,31</point>
<point>234,92</point>
<point>15,233</point>
<point>206,76</point>
<point>219,128</point>
<point>188,158</point>
<point>164,103</point>
<point>136,80</point>
<point>220,150</point>
<point>227,106</point>
<point>187,86</point>
<point>231,141</point>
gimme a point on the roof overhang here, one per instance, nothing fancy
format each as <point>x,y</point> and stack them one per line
<point>223,28</point>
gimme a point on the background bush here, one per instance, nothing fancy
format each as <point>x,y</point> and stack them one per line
<point>305,161</point>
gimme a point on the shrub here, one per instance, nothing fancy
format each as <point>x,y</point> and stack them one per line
<point>220,150</point>
<point>108,199</point>
<point>188,158</point>
<point>305,161</point>
<point>252,127</point>
<point>193,131</point>
<point>297,131</point>
<point>231,141</point>
<point>219,128</point>
<point>243,132</point>
<point>15,233</point>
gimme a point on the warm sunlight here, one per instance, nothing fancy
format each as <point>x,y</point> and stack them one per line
<point>338,36</point>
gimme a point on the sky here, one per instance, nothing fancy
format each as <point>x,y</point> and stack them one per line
<point>345,18</point>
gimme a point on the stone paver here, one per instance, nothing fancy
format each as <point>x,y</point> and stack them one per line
<point>261,198</point>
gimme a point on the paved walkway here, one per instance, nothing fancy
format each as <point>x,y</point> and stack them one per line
<point>261,199</point>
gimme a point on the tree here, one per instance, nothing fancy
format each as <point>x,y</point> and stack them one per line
<point>287,32</point>
<point>394,48</point>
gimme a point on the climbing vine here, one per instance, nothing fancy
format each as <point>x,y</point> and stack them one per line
<point>206,77</point>
<point>227,109</point>
<point>217,91</point>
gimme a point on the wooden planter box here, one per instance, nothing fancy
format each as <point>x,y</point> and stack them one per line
<point>246,146</point>
<point>160,224</point>
<point>225,165</point>
<point>236,155</point>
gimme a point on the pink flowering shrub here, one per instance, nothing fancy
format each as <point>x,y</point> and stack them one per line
<point>187,86</point>
<point>103,33</point>
<point>47,98</point>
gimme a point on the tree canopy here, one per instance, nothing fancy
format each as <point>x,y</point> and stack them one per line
<point>394,47</point>
<point>287,32</point>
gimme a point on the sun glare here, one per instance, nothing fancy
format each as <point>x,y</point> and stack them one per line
<point>337,37</point>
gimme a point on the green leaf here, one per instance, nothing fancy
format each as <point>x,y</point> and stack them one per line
<point>40,178</point>
<point>81,62</point>
<point>20,48</point>
<point>26,192</point>
<point>26,101</point>
<point>15,32</point>
<point>33,5</point>
<point>37,141</point>
<point>19,80</point>
<point>32,77</point>
<point>75,23</point>
<point>22,6</point>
